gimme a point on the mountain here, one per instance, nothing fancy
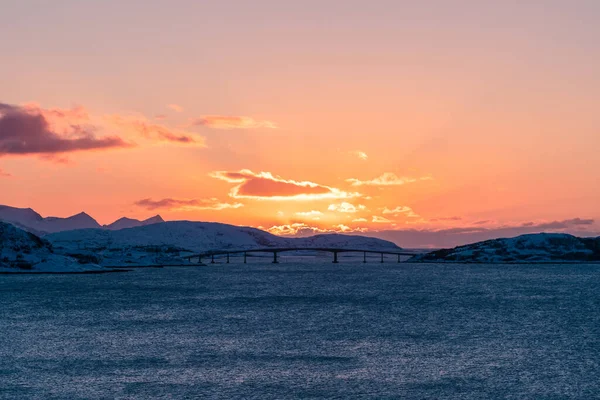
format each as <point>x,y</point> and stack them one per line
<point>123,223</point>
<point>78,221</point>
<point>540,247</point>
<point>22,251</point>
<point>31,221</point>
<point>165,242</point>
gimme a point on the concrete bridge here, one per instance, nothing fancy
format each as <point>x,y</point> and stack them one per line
<point>275,251</point>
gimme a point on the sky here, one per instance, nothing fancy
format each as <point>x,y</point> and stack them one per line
<point>414,119</point>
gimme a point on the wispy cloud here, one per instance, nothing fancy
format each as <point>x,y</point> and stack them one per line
<point>175,107</point>
<point>360,220</point>
<point>386,179</point>
<point>266,186</point>
<point>345,207</point>
<point>4,174</point>
<point>232,122</point>
<point>186,204</point>
<point>407,211</point>
<point>446,219</point>
<point>360,154</point>
<point>140,126</point>
<point>309,214</point>
<point>380,220</point>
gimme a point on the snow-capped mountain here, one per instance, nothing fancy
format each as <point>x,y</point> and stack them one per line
<point>22,251</point>
<point>166,242</point>
<point>123,223</point>
<point>540,247</point>
<point>28,219</point>
<point>31,221</point>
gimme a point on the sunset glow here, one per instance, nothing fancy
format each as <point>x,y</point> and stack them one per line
<point>309,118</point>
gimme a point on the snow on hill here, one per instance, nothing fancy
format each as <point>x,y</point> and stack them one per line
<point>31,221</point>
<point>540,247</point>
<point>164,243</point>
<point>123,223</point>
<point>21,251</point>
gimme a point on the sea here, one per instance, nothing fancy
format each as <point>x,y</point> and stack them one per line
<point>304,329</point>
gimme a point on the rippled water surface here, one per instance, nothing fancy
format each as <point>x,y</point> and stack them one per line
<point>310,330</point>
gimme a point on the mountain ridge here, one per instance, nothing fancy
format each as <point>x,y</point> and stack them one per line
<point>31,221</point>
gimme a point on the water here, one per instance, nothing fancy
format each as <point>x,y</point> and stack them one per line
<point>304,331</point>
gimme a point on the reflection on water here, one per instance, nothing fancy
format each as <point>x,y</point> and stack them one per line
<point>304,330</point>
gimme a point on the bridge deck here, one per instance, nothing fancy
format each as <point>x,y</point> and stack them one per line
<point>276,250</point>
<point>286,249</point>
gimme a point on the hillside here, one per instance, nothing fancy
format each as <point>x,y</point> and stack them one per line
<point>22,251</point>
<point>540,247</point>
<point>165,242</point>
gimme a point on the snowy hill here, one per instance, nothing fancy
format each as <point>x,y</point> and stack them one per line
<point>540,247</point>
<point>21,251</point>
<point>124,223</point>
<point>31,221</point>
<point>165,242</point>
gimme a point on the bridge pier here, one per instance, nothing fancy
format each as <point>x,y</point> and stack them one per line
<point>335,260</point>
<point>212,260</point>
<point>275,258</point>
<point>199,260</point>
<point>364,257</point>
<point>227,258</point>
<point>244,257</point>
<point>382,258</point>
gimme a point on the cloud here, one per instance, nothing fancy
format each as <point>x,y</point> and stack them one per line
<point>345,207</point>
<point>380,220</point>
<point>564,224</point>
<point>302,229</point>
<point>232,122</point>
<point>266,186</point>
<point>140,126</point>
<point>360,154</point>
<point>26,130</point>
<point>360,220</point>
<point>175,107</point>
<point>185,204</point>
<point>50,133</point>
<point>160,117</point>
<point>400,210</point>
<point>446,219</point>
<point>386,179</point>
<point>4,174</point>
<point>444,238</point>
<point>311,213</point>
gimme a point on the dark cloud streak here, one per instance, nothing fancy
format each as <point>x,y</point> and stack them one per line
<point>23,133</point>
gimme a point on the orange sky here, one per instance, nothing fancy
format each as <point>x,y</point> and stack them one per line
<point>336,117</point>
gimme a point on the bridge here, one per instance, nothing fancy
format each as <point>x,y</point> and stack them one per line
<point>275,251</point>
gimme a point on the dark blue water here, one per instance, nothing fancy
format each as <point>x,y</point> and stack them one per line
<point>304,331</point>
